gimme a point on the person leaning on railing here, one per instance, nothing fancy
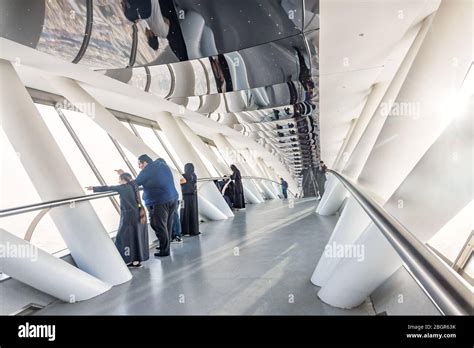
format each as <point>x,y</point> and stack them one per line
<point>160,198</point>
<point>132,234</point>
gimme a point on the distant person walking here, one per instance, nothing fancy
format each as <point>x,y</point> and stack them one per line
<point>160,198</point>
<point>284,188</point>
<point>132,235</point>
<point>238,196</point>
<point>321,178</point>
<point>190,216</point>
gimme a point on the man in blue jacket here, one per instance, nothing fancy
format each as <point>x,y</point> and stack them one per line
<point>160,198</point>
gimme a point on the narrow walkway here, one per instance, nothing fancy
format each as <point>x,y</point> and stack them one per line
<point>258,262</point>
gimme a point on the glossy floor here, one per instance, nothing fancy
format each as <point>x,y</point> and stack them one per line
<point>258,262</point>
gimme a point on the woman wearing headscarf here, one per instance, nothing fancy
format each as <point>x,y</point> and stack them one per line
<point>236,177</point>
<point>132,234</point>
<point>190,215</point>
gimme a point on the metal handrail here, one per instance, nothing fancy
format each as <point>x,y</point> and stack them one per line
<point>77,199</point>
<point>442,285</point>
<point>243,177</point>
<point>54,203</point>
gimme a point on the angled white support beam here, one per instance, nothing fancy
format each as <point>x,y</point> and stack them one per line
<point>333,197</point>
<point>372,120</point>
<point>91,247</point>
<point>352,222</point>
<point>208,190</point>
<point>373,101</point>
<point>35,267</point>
<point>232,155</point>
<point>366,143</point>
<point>196,141</point>
<point>421,144</point>
<point>82,100</point>
<point>371,261</point>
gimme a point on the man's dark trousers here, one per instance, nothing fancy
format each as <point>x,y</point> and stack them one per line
<point>161,220</point>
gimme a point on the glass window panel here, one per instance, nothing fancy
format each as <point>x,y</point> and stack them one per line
<point>126,124</point>
<point>98,145</point>
<point>95,141</point>
<point>170,148</point>
<point>469,268</point>
<point>219,155</point>
<point>130,156</point>
<point>451,238</point>
<point>16,189</point>
<point>152,141</point>
<point>212,170</point>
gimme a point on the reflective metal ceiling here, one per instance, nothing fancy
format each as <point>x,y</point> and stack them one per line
<point>250,64</point>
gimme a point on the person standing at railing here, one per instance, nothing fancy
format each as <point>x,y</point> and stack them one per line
<point>160,198</point>
<point>321,178</point>
<point>284,188</point>
<point>239,199</point>
<point>132,234</point>
<point>227,190</point>
<point>190,216</point>
<point>176,230</point>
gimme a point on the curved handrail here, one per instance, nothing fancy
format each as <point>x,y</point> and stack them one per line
<point>243,177</point>
<point>445,289</point>
<point>54,203</point>
<point>89,197</point>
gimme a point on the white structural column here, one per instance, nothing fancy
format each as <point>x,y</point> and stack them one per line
<point>31,265</point>
<point>252,162</point>
<point>410,131</point>
<point>372,262</point>
<point>406,138</point>
<point>90,245</point>
<point>272,174</point>
<point>195,141</point>
<point>211,202</point>
<point>342,235</point>
<point>210,155</point>
<point>335,191</point>
<point>359,149</point>
<point>268,189</point>
<point>82,100</point>
<point>252,191</point>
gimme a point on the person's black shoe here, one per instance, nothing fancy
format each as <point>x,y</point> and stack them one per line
<point>135,264</point>
<point>160,254</point>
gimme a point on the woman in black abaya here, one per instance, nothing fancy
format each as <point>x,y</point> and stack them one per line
<point>190,215</point>
<point>239,199</point>
<point>132,234</point>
